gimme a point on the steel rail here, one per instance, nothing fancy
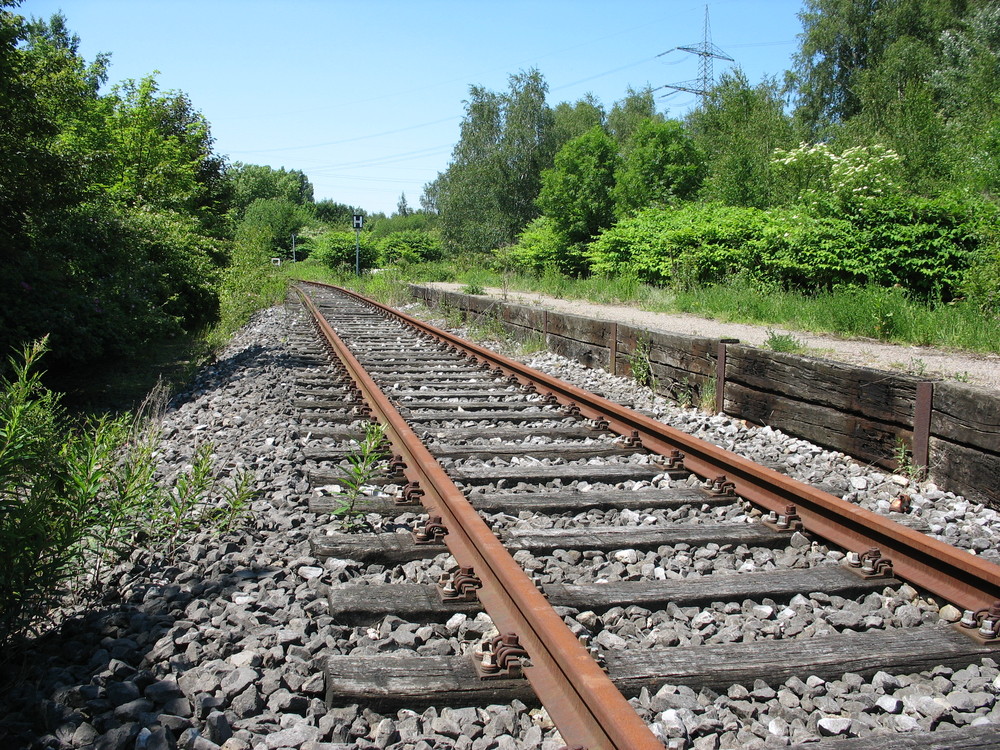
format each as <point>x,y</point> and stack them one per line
<point>580,698</point>
<point>959,577</point>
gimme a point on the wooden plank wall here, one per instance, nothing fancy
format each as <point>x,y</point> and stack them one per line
<point>863,412</point>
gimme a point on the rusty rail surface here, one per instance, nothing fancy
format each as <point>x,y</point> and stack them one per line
<point>580,698</point>
<point>965,580</point>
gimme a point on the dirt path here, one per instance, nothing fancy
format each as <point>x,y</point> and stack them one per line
<point>976,369</point>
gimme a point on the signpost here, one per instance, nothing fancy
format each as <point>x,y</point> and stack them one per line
<point>359,221</point>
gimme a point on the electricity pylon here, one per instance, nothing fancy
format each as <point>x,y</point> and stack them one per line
<point>707,52</point>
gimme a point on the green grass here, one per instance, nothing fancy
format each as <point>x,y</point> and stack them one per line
<point>783,342</point>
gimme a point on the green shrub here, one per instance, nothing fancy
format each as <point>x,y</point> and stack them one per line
<point>542,245</point>
<point>921,244</point>
<point>250,283</point>
<point>783,342</point>
<point>410,246</point>
<point>706,240</point>
<point>338,249</point>
<point>981,284</point>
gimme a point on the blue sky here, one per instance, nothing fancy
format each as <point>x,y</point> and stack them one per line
<point>366,97</point>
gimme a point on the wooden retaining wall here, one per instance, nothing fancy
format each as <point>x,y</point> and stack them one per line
<point>953,429</point>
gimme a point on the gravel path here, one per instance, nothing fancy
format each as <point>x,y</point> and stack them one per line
<point>978,369</point>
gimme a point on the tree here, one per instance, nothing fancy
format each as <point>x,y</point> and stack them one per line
<point>842,39</point>
<point>250,182</point>
<point>899,110</point>
<point>965,85</point>
<point>625,116</point>
<point>738,127</point>
<point>577,192</point>
<point>278,219</point>
<point>661,164</point>
<point>402,209</point>
<point>330,212</point>
<point>572,120</point>
<point>488,192</point>
<point>161,147</point>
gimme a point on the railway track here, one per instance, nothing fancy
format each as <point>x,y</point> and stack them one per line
<point>630,581</point>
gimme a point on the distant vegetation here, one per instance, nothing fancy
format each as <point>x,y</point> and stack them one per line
<point>875,165</point>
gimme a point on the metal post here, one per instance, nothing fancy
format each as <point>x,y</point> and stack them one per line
<point>359,221</point>
<point>293,247</point>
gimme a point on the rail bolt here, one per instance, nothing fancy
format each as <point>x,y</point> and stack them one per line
<point>571,409</point>
<point>789,517</point>
<point>991,622</point>
<point>675,459</point>
<point>412,492</point>
<point>460,585</point>
<point>873,564</point>
<point>633,440</point>
<point>502,656</point>
<point>720,486</point>
<point>431,532</point>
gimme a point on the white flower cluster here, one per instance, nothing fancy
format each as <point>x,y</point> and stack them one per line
<point>858,173</point>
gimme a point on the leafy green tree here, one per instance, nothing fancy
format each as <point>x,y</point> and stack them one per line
<point>250,182</point>
<point>430,194</point>
<point>278,219</point>
<point>577,192</point>
<point>842,39</point>
<point>965,86</point>
<point>572,120</point>
<point>415,221</point>
<point>661,164</point>
<point>488,192</point>
<point>158,145</point>
<point>738,127</point>
<point>333,213</point>
<point>627,114</point>
<point>67,88</point>
<point>402,207</point>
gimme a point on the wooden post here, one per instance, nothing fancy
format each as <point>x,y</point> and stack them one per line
<point>720,375</point>
<point>613,349</point>
<point>922,424</point>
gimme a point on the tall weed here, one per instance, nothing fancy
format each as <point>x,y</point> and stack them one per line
<point>75,499</point>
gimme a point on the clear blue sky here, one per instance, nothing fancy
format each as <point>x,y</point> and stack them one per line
<point>366,97</point>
